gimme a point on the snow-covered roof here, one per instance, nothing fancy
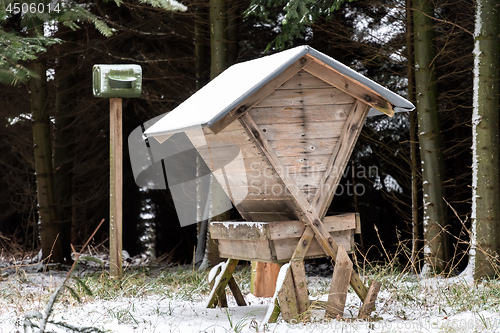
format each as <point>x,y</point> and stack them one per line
<point>238,82</point>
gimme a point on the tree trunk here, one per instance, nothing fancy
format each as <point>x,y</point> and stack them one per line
<point>236,7</point>
<point>218,50</point>
<point>202,50</point>
<point>218,40</point>
<point>415,203</point>
<point>202,63</point>
<point>485,144</point>
<point>64,151</point>
<point>50,231</point>
<point>436,249</point>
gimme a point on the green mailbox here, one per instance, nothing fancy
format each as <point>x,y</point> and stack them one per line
<point>117,81</point>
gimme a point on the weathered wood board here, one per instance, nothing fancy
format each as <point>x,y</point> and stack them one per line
<point>277,241</point>
<point>304,121</point>
<point>340,285</point>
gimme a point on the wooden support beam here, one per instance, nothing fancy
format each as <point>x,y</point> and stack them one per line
<point>369,302</point>
<point>260,94</point>
<point>340,157</point>
<point>264,278</point>
<point>299,273</point>
<point>350,86</point>
<point>309,215</point>
<point>301,291</point>
<point>115,187</point>
<point>220,299</point>
<point>275,313</point>
<point>287,298</point>
<point>221,282</point>
<point>238,296</point>
<point>340,285</point>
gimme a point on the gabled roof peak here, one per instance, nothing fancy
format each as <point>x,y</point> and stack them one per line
<point>237,83</point>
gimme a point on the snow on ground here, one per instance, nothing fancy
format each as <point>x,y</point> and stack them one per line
<point>405,304</point>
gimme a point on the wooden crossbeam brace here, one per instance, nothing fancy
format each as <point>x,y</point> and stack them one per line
<point>340,285</point>
<point>308,213</point>
<point>369,301</point>
<point>224,278</point>
<point>260,94</point>
<point>288,298</point>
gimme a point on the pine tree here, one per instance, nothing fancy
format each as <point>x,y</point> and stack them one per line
<point>436,250</point>
<point>485,146</point>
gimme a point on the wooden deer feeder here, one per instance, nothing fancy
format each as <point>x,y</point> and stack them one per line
<point>295,117</point>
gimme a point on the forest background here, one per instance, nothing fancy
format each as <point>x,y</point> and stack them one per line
<point>413,178</point>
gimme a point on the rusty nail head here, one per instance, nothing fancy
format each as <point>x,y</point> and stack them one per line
<point>303,60</point>
<point>330,240</point>
<point>304,242</point>
<point>242,109</point>
<point>368,98</point>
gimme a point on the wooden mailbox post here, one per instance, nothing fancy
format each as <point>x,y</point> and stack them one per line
<point>114,82</point>
<point>296,116</point>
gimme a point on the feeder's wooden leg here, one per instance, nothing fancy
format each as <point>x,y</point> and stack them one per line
<point>299,273</point>
<point>276,312</point>
<point>264,276</point>
<point>273,313</point>
<point>301,291</point>
<point>220,299</point>
<point>369,302</point>
<point>310,217</point>
<point>340,284</point>
<point>240,300</point>
<point>287,298</point>
<point>220,283</point>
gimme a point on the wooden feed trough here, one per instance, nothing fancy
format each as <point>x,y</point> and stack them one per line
<point>276,241</point>
<point>295,117</point>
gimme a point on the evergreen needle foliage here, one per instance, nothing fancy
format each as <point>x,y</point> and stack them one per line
<point>294,18</point>
<point>170,5</point>
<point>17,47</point>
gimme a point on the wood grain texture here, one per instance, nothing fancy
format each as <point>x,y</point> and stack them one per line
<point>369,302</point>
<point>310,216</point>
<point>302,131</point>
<point>304,80</point>
<point>266,275</point>
<point>260,94</point>
<point>300,114</point>
<point>340,157</point>
<point>340,284</point>
<point>219,289</point>
<point>279,241</point>
<point>116,187</point>
<point>350,86</point>
<point>301,97</point>
<point>301,290</point>
<point>287,298</point>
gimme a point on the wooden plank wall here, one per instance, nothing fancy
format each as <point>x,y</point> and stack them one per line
<point>254,185</point>
<point>302,121</point>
